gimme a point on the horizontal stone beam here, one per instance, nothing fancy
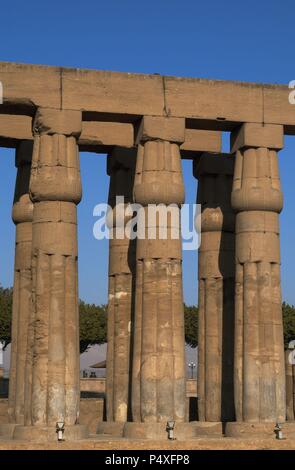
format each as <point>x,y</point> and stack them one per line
<point>14,128</point>
<point>198,141</point>
<point>210,104</point>
<point>101,137</point>
<point>97,137</point>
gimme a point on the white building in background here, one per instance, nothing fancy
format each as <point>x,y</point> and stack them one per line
<point>1,360</point>
<point>97,353</point>
<point>1,356</point>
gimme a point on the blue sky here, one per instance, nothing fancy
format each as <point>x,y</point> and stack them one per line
<point>231,40</point>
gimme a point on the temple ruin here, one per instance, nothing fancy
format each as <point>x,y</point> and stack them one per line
<point>147,124</point>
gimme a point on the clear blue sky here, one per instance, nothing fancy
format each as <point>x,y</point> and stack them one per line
<point>233,40</point>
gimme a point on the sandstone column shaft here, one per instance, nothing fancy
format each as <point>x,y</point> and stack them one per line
<point>55,189</point>
<point>216,272</point>
<point>158,391</point>
<point>259,349</point>
<point>121,168</point>
<point>22,215</point>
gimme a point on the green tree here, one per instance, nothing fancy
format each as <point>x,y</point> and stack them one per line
<point>93,322</point>
<point>5,315</point>
<point>191,325</point>
<point>93,325</point>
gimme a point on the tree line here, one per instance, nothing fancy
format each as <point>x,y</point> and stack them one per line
<point>93,322</point>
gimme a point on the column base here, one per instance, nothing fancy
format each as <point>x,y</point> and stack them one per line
<point>208,428</point>
<point>182,431</point>
<point>288,429</point>
<point>258,430</point>
<point>7,430</point>
<point>48,433</point>
<point>110,428</point>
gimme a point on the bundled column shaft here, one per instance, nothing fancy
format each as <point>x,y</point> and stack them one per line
<point>259,348</point>
<point>216,272</point>
<point>22,215</point>
<point>158,389</point>
<point>121,168</point>
<point>53,392</point>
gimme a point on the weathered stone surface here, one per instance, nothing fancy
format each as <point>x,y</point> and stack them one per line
<point>51,121</point>
<point>97,135</point>
<point>151,111</point>
<point>158,375</point>
<point>277,108</point>
<point>214,99</point>
<point>257,135</point>
<point>216,274</point>
<point>31,85</point>
<point>212,103</point>
<point>91,412</point>
<point>161,128</point>
<point>14,128</point>
<point>259,351</point>
<point>197,141</point>
<point>122,264</point>
<point>52,393</point>
<point>22,215</point>
<point>112,92</point>
<point>182,431</point>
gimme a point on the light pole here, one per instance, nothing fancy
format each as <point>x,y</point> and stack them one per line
<point>192,365</point>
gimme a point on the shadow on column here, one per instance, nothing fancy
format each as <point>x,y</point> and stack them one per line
<point>227,269</point>
<point>132,266</point>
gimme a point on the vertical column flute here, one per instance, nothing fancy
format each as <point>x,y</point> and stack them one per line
<point>158,378</point>
<point>52,392</point>
<point>122,263</point>
<point>259,373</point>
<point>22,216</point>
<point>216,272</point>
<point>290,383</point>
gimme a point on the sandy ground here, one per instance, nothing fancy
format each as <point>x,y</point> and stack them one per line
<point>96,443</point>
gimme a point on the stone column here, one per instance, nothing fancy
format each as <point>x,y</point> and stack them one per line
<point>158,388</point>
<point>122,263</point>
<point>259,373</point>
<point>290,383</point>
<point>22,216</point>
<point>52,389</point>
<point>216,273</point>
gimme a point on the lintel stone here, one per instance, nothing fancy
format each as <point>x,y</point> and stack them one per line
<point>99,133</point>
<point>161,128</point>
<point>55,121</point>
<point>199,140</point>
<point>258,135</point>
